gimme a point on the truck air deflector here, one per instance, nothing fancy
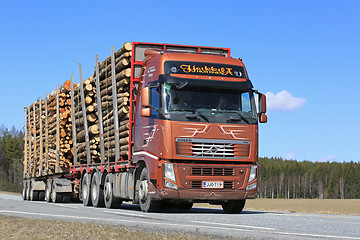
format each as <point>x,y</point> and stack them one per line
<point>207,83</point>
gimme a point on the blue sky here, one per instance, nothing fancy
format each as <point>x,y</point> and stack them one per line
<point>303,54</point>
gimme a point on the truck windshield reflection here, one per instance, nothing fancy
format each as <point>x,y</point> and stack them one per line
<point>208,101</point>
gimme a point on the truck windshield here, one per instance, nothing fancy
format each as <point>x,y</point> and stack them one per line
<point>208,101</point>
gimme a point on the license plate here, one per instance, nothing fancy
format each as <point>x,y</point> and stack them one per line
<point>207,184</point>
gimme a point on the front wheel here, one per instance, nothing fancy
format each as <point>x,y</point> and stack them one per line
<point>147,204</point>
<point>234,206</point>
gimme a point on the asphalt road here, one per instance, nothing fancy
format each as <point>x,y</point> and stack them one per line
<point>209,221</point>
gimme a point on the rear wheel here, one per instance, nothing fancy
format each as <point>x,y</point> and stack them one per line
<point>24,191</point>
<point>66,197</point>
<point>234,206</point>
<point>48,191</point>
<point>34,195</point>
<point>41,195</point>
<point>28,188</point>
<point>97,193</point>
<point>55,197</point>
<point>110,200</point>
<point>147,204</point>
<point>85,189</point>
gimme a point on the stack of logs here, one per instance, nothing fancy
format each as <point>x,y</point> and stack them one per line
<point>49,122</point>
<point>122,78</point>
<point>64,131</point>
<point>41,126</point>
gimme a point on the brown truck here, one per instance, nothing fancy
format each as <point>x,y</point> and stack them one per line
<point>173,126</point>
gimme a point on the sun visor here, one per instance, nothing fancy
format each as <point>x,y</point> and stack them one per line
<point>241,85</point>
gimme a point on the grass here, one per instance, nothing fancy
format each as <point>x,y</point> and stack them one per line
<point>23,228</point>
<point>321,206</point>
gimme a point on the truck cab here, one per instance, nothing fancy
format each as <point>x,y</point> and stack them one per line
<point>196,131</point>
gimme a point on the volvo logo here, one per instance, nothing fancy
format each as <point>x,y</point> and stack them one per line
<point>213,149</point>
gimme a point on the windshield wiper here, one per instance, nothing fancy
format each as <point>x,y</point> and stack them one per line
<point>195,111</point>
<point>241,116</point>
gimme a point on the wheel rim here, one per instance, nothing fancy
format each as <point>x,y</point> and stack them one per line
<point>53,193</point>
<point>107,191</point>
<point>85,190</point>
<point>143,190</point>
<point>94,190</point>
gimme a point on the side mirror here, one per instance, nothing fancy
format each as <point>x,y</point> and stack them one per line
<point>145,100</point>
<point>263,118</point>
<point>262,108</point>
<point>262,103</point>
<point>145,112</point>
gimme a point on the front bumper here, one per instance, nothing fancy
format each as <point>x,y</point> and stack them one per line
<point>203,195</point>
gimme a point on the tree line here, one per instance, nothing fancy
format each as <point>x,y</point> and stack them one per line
<point>278,178</point>
<point>290,179</point>
<point>11,159</point>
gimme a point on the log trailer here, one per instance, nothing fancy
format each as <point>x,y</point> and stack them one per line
<point>156,124</point>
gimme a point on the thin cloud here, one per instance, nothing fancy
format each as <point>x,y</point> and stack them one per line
<point>290,156</point>
<point>328,158</point>
<point>284,101</point>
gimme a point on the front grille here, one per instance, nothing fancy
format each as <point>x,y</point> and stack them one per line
<point>212,171</point>
<point>227,184</point>
<point>212,148</point>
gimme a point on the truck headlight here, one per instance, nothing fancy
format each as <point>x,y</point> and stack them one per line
<point>253,173</point>
<point>169,171</point>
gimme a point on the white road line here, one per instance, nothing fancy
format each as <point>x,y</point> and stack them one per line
<point>181,225</point>
<point>65,206</point>
<point>125,214</point>
<point>233,225</point>
<point>313,215</point>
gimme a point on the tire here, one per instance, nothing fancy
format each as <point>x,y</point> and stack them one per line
<point>24,191</point>
<point>233,206</point>
<point>34,195</point>
<point>109,199</point>
<point>48,191</point>
<point>55,197</point>
<point>28,188</point>
<point>66,197</point>
<point>185,205</point>
<point>41,195</point>
<point>147,204</point>
<point>86,190</point>
<point>97,193</point>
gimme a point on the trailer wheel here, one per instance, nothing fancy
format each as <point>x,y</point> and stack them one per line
<point>66,197</point>
<point>48,191</point>
<point>110,200</point>
<point>55,197</point>
<point>97,193</point>
<point>28,188</point>
<point>24,195</point>
<point>86,190</point>
<point>234,206</point>
<point>41,195</point>
<point>147,204</point>
<point>34,195</point>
